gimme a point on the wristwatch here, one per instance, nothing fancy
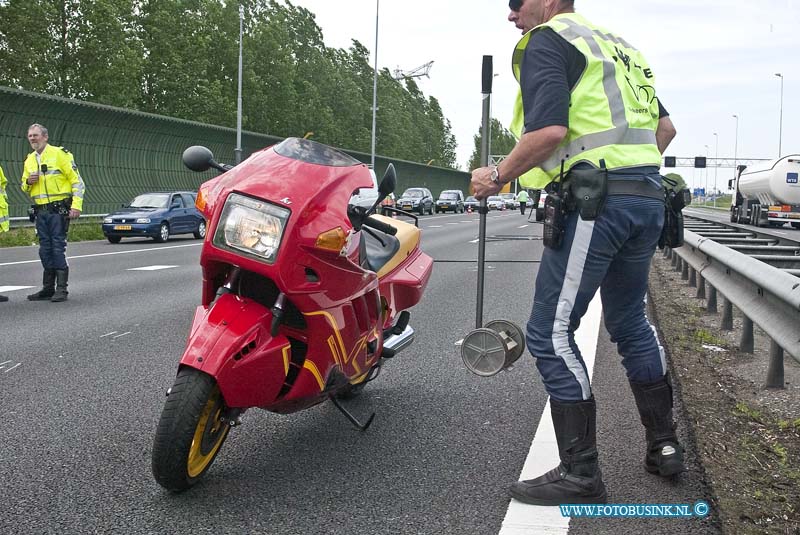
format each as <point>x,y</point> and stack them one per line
<point>496,176</point>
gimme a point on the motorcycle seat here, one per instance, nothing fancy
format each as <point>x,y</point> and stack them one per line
<point>378,254</point>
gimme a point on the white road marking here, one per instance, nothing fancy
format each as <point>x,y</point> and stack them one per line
<point>15,366</point>
<point>523,226</point>
<point>151,268</point>
<point>2,364</point>
<point>474,241</point>
<point>121,335</point>
<point>108,334</point>
<point>13,288</point>
<point>524,519</point>
<point>454,223</point>
<point>107,254</point>
<point>434,226</point>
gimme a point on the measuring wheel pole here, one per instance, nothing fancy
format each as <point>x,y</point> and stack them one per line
<point>486,79</point>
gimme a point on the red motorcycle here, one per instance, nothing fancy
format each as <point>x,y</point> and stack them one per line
<point>304,296</point>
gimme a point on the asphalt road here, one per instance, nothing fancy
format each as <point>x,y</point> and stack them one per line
<point>83,387</point>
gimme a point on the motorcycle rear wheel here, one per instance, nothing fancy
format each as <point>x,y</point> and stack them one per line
<point>191,431</point>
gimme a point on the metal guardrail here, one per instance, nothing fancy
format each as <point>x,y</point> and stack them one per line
<point>766,296</point>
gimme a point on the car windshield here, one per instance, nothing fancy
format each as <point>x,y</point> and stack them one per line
<point>413,193</point>
<point>448,196</point>
<point>309,151</point>
<point>471,199</point>
<point>494,198</point>
<point>507,195</point>
<point>151,200</point>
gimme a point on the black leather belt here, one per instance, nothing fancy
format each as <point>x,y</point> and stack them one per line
<point>637,188</point>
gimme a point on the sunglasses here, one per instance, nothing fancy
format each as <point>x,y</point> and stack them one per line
<point>515,5</point>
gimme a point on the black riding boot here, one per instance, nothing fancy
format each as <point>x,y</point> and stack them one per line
<point>664,452</point>
<point>577,479</point>
<point>48,286</point>
<point>62,275</point>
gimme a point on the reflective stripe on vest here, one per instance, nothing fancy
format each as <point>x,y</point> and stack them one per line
<point>620,129</point>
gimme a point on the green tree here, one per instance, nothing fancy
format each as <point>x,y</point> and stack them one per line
<point>502,141</point>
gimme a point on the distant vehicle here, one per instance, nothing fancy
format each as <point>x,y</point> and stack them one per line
<point>450,199</point>
<point>768,194</point>
<point>510,200</point>
<point>540,207</point>
<point>386,203</point>
<point>495,202</point>
<point>156,215</point>
<point>471,204</point>
<point>416,200</point>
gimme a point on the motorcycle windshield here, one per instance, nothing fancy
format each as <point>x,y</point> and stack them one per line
<point>309,151</point>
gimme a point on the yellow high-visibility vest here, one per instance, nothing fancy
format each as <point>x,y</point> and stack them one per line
<point>4,221</point>
<point>613,112</point>
<point>60,181</point>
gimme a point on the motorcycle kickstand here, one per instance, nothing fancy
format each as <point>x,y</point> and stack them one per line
<point>349,416</point>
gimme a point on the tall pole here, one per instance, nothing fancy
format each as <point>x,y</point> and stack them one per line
<point>736,148</point>
<point>238,150</point>
<point>716,166</point>
<point>780,121</point>
<point>705,195</point>
<point>375,81</point>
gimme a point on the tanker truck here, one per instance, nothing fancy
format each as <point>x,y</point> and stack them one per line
<point>768,193</point>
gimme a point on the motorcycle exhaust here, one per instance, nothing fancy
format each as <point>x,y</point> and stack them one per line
<point>397,342</point>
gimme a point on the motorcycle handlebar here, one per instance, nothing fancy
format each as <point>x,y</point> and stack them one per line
<point>380,225</point>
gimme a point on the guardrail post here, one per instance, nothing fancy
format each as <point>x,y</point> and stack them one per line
<point>675,259</point>
<point>701,286</point>
<point>746,341</point>
<point>685,271</point>
<point>711,305</point>
<point>678,264</point>
<point>727,315</point>
<point>775,371</point>
<point>668,253</point>
<point>692,277</point>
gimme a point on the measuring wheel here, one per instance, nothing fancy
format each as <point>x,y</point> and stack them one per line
<point>484,352</point>
<point>509,330</point>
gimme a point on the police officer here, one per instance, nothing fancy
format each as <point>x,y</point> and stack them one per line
<point>4,221</point>
<point>522,199</point>
<point>587,117</point>
<point>51,178</point>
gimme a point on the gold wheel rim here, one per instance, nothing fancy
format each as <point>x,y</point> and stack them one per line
<point>209,427</point>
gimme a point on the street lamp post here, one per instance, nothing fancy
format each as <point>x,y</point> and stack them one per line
<point>375,82</point>
<point>716,166</point>
<point>780,120</point>
<point>238,150</point>
<point>736,147</point>
<point>705,190</point>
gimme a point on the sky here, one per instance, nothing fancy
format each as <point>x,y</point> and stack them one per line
<point>712,59</point>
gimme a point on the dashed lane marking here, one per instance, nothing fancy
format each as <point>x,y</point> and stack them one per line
<point>13,288</point>
<point>107,254</point>
<point>151,268</point>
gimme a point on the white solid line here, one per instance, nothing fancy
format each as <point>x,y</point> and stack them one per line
<point>121,335</point>
<point>13,288</point>
<point>151,268</point>
<point>4,363</point>
<point>108,254</point>
<point>12,367</point>
<point>108,334</point>
<point>543,456</point>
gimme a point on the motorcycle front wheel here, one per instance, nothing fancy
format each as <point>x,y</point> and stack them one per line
<point>190,432</point>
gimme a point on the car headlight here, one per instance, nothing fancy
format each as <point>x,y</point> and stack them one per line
<point>143,220</point>
<point>252,226</point>
<point>108,220</point>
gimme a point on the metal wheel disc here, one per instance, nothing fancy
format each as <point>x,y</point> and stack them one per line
<point>514,332</point>
<point>484,352</point>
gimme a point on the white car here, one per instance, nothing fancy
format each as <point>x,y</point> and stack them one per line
<point>495,202</point>
<point>366,197</point>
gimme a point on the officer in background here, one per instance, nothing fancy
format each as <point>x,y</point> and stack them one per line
<point>589,124</point>
<point>522,199</point>
<point>51,178</point>
<point>4,220</point>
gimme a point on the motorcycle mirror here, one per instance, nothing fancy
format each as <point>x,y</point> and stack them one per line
<point>199,158</point>
<point>388,182</point>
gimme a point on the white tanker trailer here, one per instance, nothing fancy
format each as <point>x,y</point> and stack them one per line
<point>768,193</point>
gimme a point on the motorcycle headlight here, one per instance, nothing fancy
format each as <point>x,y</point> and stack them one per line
<point>251,226</point>
<point>143,220</point>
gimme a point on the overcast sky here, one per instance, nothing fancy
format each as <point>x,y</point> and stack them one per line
<point>712,59</point>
